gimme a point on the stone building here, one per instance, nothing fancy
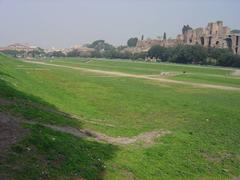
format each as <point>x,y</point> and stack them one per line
<point>19,47</point>
<point>215,35</point>
<point>145,45</point>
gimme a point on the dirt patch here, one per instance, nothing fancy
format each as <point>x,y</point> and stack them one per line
<point>3,177</point>
<point>219,157</point>
<point>146,138</point>
<point>10,131</point>
<point>5,102</point>
<point>236,178</point>
<point>236,73</point>
<point>89,61</point>
<point>164,75</point>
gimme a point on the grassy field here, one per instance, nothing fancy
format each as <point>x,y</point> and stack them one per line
<point>192,73</point>
<point>204,142</point>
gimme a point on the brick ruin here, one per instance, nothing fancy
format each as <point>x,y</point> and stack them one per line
<point>215,35</point>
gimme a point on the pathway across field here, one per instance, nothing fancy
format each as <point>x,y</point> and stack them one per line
<point>114,73</point>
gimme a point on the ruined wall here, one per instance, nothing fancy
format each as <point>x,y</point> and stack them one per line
<point>235,41</point>
<point>215,35</point>
<point>211,36</point>
<point>149,43</point>
<point>238,43</point>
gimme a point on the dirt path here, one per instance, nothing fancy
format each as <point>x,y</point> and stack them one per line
<point>120,74</point>
<point>236,73</point>
<point>11,130</point>
<point>146,138</point>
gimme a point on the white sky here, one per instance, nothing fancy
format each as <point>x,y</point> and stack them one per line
<point>63,23</point>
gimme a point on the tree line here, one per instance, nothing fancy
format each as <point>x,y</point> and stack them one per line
<point>195,54</point>
<point>185,54</point>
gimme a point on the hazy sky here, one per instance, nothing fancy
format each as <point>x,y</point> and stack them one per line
<point>63,23</point>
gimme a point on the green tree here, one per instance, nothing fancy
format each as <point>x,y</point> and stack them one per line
<point>235,31</point>
<point>189,54</point>
<point>73,53</point>
<point>56,54</point>
<point>229,59</point>
<point>164,36</point>
<point>132,42</point>
<point>158,52</point>
<point>100,45</point>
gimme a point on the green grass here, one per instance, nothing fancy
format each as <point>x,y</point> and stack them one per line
<point>204,123</point>
<point>138,67</point>
<point>194,73</point>
<point>48,154</point>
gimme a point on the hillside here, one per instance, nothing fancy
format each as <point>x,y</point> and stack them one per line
<point>81,119</point>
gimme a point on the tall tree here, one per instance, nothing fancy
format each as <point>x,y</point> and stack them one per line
<point>164,36</point>
<point>132,42</point>
<point>158,52</point>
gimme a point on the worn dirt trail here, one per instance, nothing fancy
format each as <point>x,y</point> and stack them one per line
<point>120,74</point>
<point>11,131</point>
<point>236,73</point>
<point>146,138</point>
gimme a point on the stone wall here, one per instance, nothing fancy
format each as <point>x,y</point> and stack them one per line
<point>215,35</point>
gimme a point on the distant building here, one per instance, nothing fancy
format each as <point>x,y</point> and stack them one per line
<point>82,48</point>
<point>19,47</point>
<point>23,50</point>
<point>215,35</point>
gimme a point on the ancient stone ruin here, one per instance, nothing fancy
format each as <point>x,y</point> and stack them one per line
<point>215,35</point>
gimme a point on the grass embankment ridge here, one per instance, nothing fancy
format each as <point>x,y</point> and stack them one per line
<point>204,123</point>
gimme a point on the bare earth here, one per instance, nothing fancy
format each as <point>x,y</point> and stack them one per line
<point>10,131</point>
<point>146,138</point>
<point>236,73</point>
<point>114,73</point>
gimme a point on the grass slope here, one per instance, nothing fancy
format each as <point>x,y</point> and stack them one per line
<point>205,123</point>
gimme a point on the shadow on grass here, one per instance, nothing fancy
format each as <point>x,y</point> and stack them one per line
<point>48,154</point>
<point>44,153</point>
<point>30,107</point>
